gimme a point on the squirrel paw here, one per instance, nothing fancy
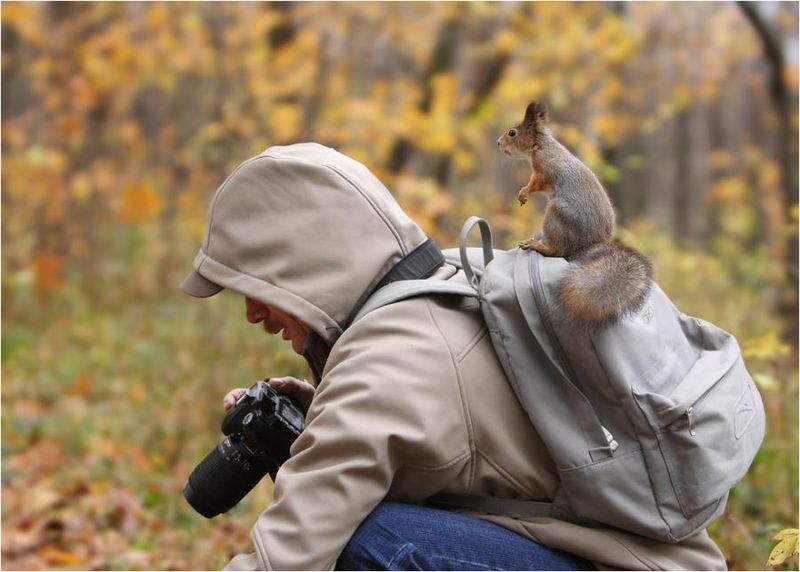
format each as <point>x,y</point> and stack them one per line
<point>538,246</point>
<point>522,196</point>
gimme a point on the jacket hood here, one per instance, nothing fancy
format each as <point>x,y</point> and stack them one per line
<point>305,229</point>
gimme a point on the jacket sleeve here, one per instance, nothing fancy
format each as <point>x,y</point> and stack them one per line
<point>363,427</point>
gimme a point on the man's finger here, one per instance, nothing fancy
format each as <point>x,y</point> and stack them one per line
<point>230,398</point>
<point>298,389</point>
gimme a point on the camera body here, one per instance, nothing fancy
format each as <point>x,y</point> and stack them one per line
<point>266,423</point>
<point>259,430</point>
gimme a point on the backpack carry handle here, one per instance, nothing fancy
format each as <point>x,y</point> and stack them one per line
<point>486,243</point>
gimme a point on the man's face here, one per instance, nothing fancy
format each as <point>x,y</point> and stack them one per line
<point>273,321</point>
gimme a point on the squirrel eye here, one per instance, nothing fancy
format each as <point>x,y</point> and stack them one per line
<point>512,133</point>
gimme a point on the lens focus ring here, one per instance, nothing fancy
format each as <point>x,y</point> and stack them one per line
<point>223,478</point>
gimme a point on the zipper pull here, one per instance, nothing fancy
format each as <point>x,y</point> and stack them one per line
<point>690,420</point>
<point>612,443</point>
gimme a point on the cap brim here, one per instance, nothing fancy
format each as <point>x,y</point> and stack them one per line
<point>199,287</point>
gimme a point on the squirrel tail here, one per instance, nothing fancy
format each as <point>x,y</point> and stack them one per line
<point>608,281</point>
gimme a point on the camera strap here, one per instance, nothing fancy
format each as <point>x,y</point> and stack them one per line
<point>316,351</point>
<point>420,263</point>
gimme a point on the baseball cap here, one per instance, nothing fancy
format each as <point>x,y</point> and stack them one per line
<point>198,286</point>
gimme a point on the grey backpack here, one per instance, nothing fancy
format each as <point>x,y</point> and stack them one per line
<point>650,421</point>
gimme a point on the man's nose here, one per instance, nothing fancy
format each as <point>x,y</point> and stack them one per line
<point>256,311</point>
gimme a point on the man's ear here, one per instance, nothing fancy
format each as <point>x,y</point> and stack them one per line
<point>536,113</point>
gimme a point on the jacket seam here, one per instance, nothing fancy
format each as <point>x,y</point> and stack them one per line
<point>447,464</point>
<point>261,551</point>
<point>649,564</point>
<point>374,206</point>
<point>462,397</point>
<point>363,195</point>
<point>218,196</point>
<point>328,166</point>
<point>502,472</point>
<point>471,344</point>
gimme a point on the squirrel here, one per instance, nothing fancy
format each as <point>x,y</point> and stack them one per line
<point>607,280</point>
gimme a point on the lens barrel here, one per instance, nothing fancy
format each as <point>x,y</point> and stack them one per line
<point>223,478</point>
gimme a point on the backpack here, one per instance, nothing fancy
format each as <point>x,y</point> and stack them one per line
<point>650,420</point>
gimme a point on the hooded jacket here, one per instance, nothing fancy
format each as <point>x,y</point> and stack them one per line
<point>412,400</point>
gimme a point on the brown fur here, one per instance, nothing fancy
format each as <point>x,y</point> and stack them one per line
<point>609,279</point>
<point>607,282</point>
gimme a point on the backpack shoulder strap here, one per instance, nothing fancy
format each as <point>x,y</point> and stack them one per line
<point>474,256</point>
<point>403,289</point>
<point>464,258</point>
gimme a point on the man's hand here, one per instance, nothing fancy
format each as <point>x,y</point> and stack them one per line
<point>299,390</point>
<point>230,398</point>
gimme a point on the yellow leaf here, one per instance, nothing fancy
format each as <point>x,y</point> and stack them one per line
<point>285,122</point>
<point>81,186</point>
<point>786,533</point>
<point>464,161</point>
<point>728,190</point>
<point>683,95</point>
<point>769,175</point>
<point>765,346</point>
<point>140,203</point>
<point>572,136</point>
<point>128,131</point>
<point>505,41</point>
<point>765,382</point>
<point>785,549</point>
<point>26,21</point>
<point>14,12</point>
<point>157,15</point>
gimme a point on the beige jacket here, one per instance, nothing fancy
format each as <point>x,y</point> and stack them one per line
<point>412,400</point>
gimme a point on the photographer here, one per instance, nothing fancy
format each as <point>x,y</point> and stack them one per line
<point>410,401</point>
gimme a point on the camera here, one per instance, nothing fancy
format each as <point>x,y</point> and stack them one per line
<point>259,430</point>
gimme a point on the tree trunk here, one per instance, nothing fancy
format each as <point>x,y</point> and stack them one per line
<point>682,196</point>
<point>442,60</point>
<point>779,93</point>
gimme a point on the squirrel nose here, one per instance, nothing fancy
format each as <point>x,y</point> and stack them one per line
<point>498,140</point>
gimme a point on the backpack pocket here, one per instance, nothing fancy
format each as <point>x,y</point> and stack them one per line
<point>710,426</point>
<point>602,492</point>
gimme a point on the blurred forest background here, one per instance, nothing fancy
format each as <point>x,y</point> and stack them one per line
<point>119,120</point>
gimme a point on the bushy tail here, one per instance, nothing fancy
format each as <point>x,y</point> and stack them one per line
<point>607,282</point>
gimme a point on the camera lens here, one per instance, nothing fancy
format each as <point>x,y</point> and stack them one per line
<point>223,478</point>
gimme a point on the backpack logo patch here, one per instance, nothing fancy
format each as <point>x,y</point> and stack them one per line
<point>745,412</point>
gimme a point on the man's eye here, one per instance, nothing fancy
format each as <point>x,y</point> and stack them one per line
<point>512,133</point>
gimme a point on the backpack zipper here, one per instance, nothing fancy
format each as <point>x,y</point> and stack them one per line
<point>554,341</point>
<point>566,367</point>
<point>690,421</point>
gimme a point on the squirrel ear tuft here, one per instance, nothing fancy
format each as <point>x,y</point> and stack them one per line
<point>536,112</point>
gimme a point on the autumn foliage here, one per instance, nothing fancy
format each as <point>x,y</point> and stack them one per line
<point>119,120</point>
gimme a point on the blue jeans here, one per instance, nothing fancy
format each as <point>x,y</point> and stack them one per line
<point>408,537</point>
